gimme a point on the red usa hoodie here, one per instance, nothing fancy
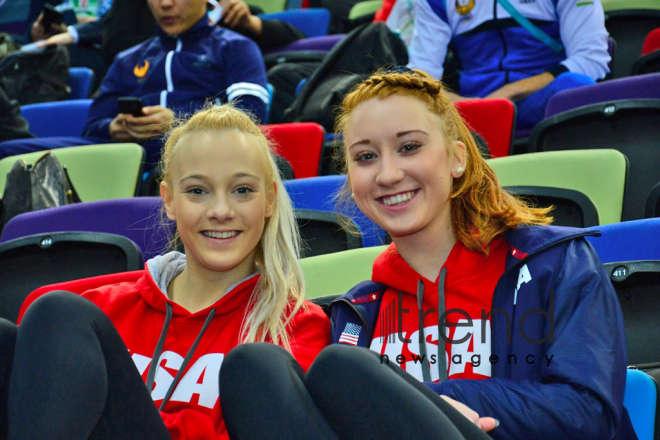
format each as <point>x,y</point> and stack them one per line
<point>138,311</point>
<point>410,300</point>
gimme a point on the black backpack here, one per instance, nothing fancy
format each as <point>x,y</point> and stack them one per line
<point>45,184</point>
<point>36,76</point>
<point>362,52</point>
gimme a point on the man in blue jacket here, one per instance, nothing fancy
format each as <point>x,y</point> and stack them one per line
<point>188,63</point>
<point>502,59</point>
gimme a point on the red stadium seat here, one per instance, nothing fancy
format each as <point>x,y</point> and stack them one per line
<point>300,143</point>
<point>493,119</point>
<point>651,42</point>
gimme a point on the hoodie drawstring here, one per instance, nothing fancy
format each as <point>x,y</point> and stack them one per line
<point>442,361</point>
<point>159,350</point>
<point>426,374</point>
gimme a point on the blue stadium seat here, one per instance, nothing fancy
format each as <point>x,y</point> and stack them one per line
<point>628,241</point>
<point>313,22</point>
<point>80,81</point>
<point>631,255</point>
<point>318,193</point>
<point>60,118</point>
<point>641,401</point>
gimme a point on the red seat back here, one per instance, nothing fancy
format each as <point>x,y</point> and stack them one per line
<point>493,119</point>
<point>300,143</point>
<point>651,42</point>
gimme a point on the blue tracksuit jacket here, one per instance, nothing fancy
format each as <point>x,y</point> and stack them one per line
<point>579,393</point>
<point>205,63</point>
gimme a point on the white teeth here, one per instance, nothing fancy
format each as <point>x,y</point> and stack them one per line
<point>220,234</point>
<point>398,199</point>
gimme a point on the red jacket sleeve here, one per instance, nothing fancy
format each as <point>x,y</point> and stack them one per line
<point>310,333</point>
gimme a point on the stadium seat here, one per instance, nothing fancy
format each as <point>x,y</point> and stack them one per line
<point>637,87</point>
<point>335,274</point>
<point>137,218</point>
<point>598,174</point>
<point>653,202</point>
<point>364,8</point>
<point>319,193</point>
<point>641,400</point>
<point>31,262</point>
<point>649,61</point>
<point>80,81</point>
<point>570,207</point>
<point>493,119</point>
<point>313,22</point>
<point>314,44</point>
<point>629,22</point>
<point>98,172</point>
<point>629,126</point>
<point>59,118</point>
<point>324,232</point>
<point>268,6</point>
<point>300,143</point>
<point>631,255</point>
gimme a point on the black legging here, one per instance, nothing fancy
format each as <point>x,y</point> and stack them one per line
<point>71,376</point>
<point>346,394</point>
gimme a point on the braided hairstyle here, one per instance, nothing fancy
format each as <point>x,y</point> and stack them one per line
<point>480,209</point>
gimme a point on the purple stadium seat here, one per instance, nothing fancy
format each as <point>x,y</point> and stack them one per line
<point>137,218</point>
<point>324,44</point>
<point>634,87</point>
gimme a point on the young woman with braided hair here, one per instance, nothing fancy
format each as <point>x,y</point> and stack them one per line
<point>502,324</point>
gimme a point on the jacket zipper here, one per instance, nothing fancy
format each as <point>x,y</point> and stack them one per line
<point>168,73</point>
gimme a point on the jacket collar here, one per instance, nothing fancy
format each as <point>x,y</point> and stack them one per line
<point>526,241</point>
<point>198,31</point>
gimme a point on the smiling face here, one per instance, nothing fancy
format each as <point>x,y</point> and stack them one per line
<point>177,16</point>
<point>401,166</point>
<point>220,200</point>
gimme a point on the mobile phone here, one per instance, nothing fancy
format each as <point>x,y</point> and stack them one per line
<point>130,105</point>
<point>51,16</point>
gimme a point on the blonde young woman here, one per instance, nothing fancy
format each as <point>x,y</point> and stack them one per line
<point>74,369</point>
<point>478,318</point>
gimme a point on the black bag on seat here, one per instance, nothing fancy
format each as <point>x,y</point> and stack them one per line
<point>362,52</point>
<point>45,184</point>
<point>36,76</point>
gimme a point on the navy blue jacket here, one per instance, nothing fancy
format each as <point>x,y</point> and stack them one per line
<point>578,394</point>
<point>205,63</point>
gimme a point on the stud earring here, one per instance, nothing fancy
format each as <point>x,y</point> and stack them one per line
<point>353,196</point>
<point>459,170</point>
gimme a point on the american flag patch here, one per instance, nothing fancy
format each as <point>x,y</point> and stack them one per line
<point>350,334</point>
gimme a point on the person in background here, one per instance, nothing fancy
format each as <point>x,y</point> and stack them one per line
<point>500,58</point>
<point>76,366</point>
<point>188,63</point>
<point>82,38</point>
<point>130,22</point>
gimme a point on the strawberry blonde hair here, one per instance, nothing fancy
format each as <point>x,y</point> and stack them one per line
<point>480,209</point>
